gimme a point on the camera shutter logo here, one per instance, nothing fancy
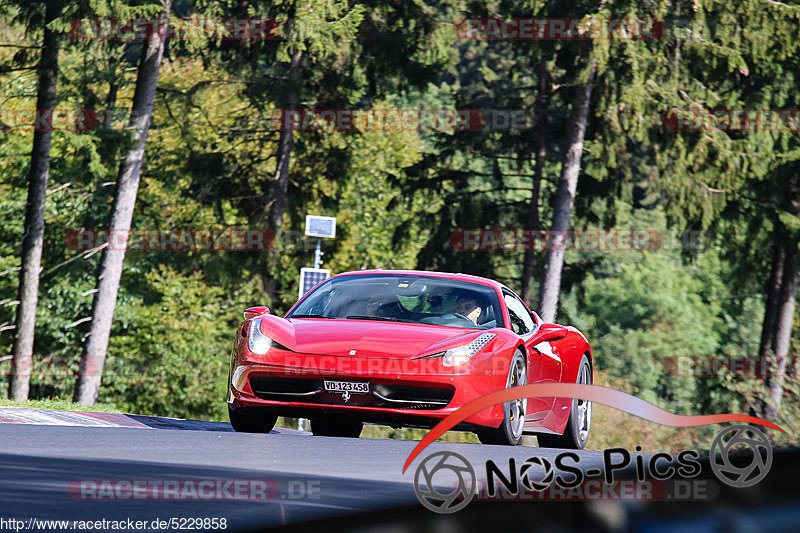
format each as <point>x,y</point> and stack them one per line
<point>546,479</point>
<point>738,437</point>
<point>445,463</point>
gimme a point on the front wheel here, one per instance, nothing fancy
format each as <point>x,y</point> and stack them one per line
<point>252,419</point>
<point>510,431</point>
<point>576,434</point>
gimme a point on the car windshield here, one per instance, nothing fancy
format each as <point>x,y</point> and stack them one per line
<point>398,298</point>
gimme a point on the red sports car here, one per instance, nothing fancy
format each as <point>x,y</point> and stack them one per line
<point>405,349</point>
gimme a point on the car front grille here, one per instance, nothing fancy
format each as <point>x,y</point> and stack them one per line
<point>382,395</point>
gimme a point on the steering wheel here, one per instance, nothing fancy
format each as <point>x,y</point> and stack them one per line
<point>448,319</point>
<point>459,317</point>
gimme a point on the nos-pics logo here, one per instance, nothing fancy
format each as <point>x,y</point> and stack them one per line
<point>445,481</point>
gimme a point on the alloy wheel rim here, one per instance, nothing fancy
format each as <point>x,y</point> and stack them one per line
<point>515,409</point>
<point>584,407</point>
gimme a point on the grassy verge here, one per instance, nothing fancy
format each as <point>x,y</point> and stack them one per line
<point>616,429</point>
<point>59,405</point>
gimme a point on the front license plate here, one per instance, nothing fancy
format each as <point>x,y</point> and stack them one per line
<point>346,386</point>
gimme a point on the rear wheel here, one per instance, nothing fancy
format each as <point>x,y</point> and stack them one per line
<point>336,426</point>
<point>252,419</point>
<point>510,431</point>
<point>580,418</point>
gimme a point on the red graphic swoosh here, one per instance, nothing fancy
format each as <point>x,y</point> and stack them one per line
<point>594,393</point>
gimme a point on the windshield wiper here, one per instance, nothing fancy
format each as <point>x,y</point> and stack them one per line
<point>310,316</point>
<point>382,318</point>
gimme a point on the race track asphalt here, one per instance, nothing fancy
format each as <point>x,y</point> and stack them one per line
<point>310,477</point>
<point>54,465</point>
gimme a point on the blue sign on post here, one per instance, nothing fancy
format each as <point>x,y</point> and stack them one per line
<point>317,226</point>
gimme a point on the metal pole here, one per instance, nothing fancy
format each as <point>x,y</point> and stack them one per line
<point>318,254</point>
<point>301,422</point>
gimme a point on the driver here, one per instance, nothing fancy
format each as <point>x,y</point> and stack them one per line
<point>469,307</point>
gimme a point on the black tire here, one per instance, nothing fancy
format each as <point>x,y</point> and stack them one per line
<point>336,426</point>
<point>576,434</point>
<point>510,431</point>
<point>252,419</point>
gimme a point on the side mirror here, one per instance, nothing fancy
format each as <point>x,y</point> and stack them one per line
<point>252,312</point>
<point>537,320</point>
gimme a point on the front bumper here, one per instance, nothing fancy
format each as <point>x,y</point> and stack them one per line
<point>403,392</point>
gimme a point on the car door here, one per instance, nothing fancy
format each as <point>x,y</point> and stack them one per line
<point>544,362</point>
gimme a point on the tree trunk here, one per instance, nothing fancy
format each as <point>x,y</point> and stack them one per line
<point>33,238</point>
<point>99,193</point>
<point>542,105</point>
<point>105,298</point>
<point>281,181</point>
<point>276,207</point>
<point>783,329</point>
<point>565,198</point>
<point>773,289</point>
<point>111,104</point>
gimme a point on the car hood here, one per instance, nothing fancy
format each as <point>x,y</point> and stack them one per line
<point>366,337</point>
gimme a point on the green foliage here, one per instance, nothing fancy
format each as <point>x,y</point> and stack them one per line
<point>751,392</point>
<point>399,195</point>
<point>639,308</point>
<point>167,353</point>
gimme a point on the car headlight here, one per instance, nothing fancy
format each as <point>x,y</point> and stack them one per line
<point>257,341</point>
<point>462,354</point>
